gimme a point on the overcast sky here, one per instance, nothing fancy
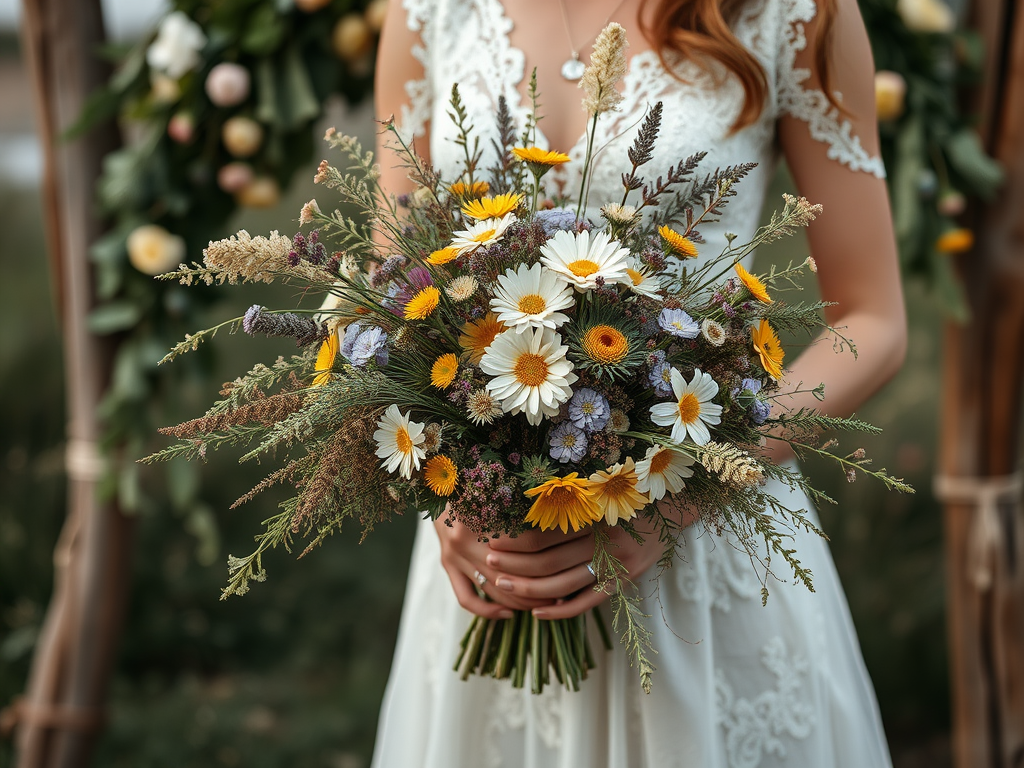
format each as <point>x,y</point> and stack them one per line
<point>124,18</point>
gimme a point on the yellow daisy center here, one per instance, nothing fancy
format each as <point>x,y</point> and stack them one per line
<point>605,344</point>
<point>484,236</point>
<point>660,462</point>
<point>635,276</point>
<point>689,408</point>
<point>583,267</point>
<point>569,440</point>
<point>531,370</point>
<point>532,304</point>
<point>403,441</point>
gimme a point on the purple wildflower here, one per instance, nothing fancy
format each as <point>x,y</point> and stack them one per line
<point>589,410</point>
<point>661,374</point>
<point>252,314</point>
<point>568,443</point>
<point>556,219</point>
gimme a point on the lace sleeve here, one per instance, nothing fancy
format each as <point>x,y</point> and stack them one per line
<point>798,99</point>
<point>416,112</point>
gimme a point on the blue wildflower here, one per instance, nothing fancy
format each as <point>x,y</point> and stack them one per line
<point>678,323</point>
<point>371,343</point>
<point>760,411</point>
<point>568,443</point>
<point>589,410</point>
<point>556,219</point>
<point>661,374</point>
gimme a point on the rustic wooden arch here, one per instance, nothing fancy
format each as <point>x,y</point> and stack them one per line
<point>58,720</point>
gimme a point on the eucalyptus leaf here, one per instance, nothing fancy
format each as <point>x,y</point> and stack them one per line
<point>113,317</point>
<point>968,157</point>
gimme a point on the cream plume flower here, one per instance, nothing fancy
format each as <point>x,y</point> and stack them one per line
<point>607,66</point>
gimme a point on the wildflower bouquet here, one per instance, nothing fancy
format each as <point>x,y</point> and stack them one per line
<point>486,359</point>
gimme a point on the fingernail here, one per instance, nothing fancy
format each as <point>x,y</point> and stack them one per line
<point>539,614</point>
<point>504,583</point>
<point>504,614</point>
<point>492,560</point>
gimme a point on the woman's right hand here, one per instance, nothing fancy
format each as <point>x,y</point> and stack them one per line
<point>463,556</point>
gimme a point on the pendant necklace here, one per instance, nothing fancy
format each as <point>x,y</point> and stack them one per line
<point>573,68</point>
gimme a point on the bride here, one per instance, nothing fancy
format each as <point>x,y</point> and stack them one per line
<point>737,685</point>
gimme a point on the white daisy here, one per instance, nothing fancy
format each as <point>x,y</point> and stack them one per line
<point>580,259</point>
<point>399,442</point>
<point>693,409</point>
<point>662,471</point>
<point>482,233</point>
<point>642,279</point>
<point>530,297</point>
<point>532,374</point>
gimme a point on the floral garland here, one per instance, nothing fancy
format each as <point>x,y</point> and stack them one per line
<point>934,155</point>
<point>220,103</point>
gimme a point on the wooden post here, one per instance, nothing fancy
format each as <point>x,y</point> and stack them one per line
<point>61,713</point>
<point>980,481</point>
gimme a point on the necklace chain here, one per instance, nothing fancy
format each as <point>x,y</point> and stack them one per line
<point>573,68</point>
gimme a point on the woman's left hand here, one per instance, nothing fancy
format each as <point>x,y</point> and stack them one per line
<point>553,565</point>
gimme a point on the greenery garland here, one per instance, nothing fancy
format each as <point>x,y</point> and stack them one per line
<point>933,154</point>
<point>221,101</point>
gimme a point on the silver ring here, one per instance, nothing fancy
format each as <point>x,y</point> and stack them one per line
<point>590,568</point>
<point>480,578</point>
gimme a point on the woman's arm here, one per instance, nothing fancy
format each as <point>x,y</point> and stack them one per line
<point>854,247</point>
<point>852,241</point>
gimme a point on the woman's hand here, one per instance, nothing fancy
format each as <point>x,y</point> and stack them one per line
<point>552,566</point>
<point>463,556</point>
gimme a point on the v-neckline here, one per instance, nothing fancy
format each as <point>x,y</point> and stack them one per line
<point>504,31</point>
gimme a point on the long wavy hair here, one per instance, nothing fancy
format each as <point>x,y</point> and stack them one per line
<point>698,30</point>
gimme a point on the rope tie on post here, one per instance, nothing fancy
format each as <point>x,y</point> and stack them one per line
<point>984,538</point>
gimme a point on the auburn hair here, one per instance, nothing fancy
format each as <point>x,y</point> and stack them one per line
<point>698,30</point>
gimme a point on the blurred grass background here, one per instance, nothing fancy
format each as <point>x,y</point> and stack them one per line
<point>292,674</point>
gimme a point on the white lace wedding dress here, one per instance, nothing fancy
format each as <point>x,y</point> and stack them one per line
<point>737,685</point>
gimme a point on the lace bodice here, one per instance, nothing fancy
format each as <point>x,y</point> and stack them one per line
<point>467,42</point>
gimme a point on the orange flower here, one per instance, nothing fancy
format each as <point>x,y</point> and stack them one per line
<point>325,360</point>
<point>754,285</point>
<point>492,207</point>
<point>561,502</point>
<point>441,475</point>
<point>605,344</point>
<point>476,189</point>
<point>478,335</point>
<point>443,256</point>
<point>955,241</point>
<point>681,246</point>
<point>538,156</point>
<point>768,348</point>
<point>442,373</point>
<point>422,304</point>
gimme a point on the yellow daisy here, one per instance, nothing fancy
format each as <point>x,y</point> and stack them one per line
<point>768,348</point>
<point>492,207</point>
<point>561,502</point>
<point>422,304</point>
<point>442,373</point>
<point>538,156</point>
<point>476,189</point>
<point>477,336</point>
<point>443,256</point>
<point>605,344</point>
<point>754,285</point>
<point>681,246</point>
<point>616,493</point>
<point>325,360</point>
<point>441,475</point>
